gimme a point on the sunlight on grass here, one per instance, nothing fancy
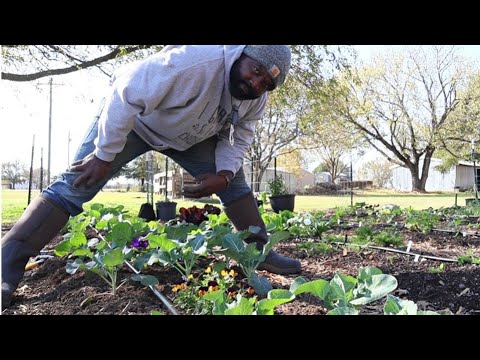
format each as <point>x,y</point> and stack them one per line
<point>14,201</point>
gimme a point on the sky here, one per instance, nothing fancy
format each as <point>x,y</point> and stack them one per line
<point>24,112</point>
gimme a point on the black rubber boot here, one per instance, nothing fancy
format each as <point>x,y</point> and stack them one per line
<point>244,213</point>
<point>37,226</point>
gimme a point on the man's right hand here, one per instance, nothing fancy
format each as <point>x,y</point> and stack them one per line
<point>92,168</point>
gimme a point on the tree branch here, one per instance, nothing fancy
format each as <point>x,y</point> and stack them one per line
<point>83,65</point>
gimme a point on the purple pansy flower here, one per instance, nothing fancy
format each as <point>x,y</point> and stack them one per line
<point>139,244</point>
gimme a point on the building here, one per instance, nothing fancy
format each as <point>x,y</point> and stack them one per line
<point>293,183</point>
<point>175,180</point>
<point>173,183</point>
<point>323,177</point>
<point>6,184</point>
<point>460,175</point>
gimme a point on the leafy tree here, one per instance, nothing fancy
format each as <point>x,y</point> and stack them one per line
<point>291,161</point>
<point>334,167</point>
<point>463,128</point>
<point>137,168</point>
<point>322,167</point>
<point>14,171</point>
<point>402,102</point>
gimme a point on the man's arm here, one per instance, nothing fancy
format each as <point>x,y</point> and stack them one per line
<point>230,157</point>
<point>137,91</point>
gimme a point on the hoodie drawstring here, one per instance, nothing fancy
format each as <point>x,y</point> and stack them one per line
<point>234,121</point>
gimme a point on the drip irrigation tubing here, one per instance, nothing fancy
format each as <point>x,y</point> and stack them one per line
<point>399,225</point>
<point>431,257</point>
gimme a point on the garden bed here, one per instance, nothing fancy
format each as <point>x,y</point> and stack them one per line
<point>432,285</point>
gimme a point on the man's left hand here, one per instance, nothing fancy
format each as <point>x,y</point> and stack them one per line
<point>207,184</point>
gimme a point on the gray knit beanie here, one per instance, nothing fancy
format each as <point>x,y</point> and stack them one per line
<point>275,58</point>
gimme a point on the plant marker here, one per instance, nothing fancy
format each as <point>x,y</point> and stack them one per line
<point>409,245</point>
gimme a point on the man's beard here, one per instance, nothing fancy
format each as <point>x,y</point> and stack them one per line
<point>239,88</point>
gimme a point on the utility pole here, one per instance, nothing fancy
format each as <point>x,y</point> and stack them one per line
<point>50,83</point>
<point>31,173</point>
<point>474,157</point>
<point>68,149</point>
<point>41,169</point>
<point>49,133</point>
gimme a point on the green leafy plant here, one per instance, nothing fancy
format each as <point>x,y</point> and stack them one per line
<point>248,257</point>
<point>436,269</point>
<point>344,294</point>
<point>306,224</point>
<point>277,186</point>
<point>311,247</point>
<point>468,258</point>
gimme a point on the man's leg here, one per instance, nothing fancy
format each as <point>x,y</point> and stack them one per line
<point>238,200</point>
<point>243,213</point>
<point>47,214</point>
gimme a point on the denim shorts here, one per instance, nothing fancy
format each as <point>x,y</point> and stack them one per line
<point>199,159</point>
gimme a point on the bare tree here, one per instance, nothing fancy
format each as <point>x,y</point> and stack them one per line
<point>32,62</point>
<point>379,171</point>
<point>36,177</point>
<point>14,171</point>
<point>277,129</point>
<point>277,134</point>
<point>402,102</point>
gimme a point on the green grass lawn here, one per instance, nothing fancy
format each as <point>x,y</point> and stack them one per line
<point>14,201</point>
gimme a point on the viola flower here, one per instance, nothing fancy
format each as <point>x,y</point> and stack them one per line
<point>139,244</point>
<point>202,290</point>
<point>208,270</point>
<point>232,292</point>
<point>226,273</point>
<point>179,287</point>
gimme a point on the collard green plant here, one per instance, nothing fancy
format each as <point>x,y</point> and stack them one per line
<point>344,294</point>
<point>249,257</point>
<point>103,255</point>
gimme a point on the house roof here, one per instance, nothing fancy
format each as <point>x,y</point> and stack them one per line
<point>466,163</point>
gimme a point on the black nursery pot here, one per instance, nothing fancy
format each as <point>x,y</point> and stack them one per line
<point>282,202</point>
<point>166,210</point>
<point>146,212</point>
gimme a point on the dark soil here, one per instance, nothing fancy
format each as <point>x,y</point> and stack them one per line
<point>49,289</point>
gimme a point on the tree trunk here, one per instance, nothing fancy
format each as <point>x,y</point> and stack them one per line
<point>258,174</point>
<point>419,182</point>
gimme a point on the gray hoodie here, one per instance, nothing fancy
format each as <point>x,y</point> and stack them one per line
<point>177,98</point>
